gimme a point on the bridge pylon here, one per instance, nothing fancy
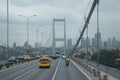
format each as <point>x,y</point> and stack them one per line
<point>59,39</point>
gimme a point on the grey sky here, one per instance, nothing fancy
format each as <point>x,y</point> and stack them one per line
<point>72,10</point>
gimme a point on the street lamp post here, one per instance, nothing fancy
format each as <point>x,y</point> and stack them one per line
<point>7,23</point>
<point>7,26</point>
<point>98,44</point>
<point>42,36</point>
<point>37,36</point>
<point>28,26</point>
<point>37,30</point>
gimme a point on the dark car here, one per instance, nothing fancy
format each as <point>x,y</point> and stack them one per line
<point>12,59</point>
<point>20,58</point>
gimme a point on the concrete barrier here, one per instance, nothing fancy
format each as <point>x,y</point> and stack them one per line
<point>90,70</point>
<point>105,77</point>
<point>94,72</point>
<point>99,75</point>
<point>7,65</point>
<point>1,65</point>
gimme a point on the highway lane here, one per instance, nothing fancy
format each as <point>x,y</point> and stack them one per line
<point>31,71</point>
<point>25,71</point>
<point>41,73</point>
<point>69,73</point>
<point>10,74</point>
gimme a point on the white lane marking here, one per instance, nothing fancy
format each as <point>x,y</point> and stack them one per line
<point>53,78</point>
<point>80,69</point>
<point>24,74</point>
<point>13,67</point>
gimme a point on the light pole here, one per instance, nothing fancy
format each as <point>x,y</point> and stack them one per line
<point>7,26</point>
<point>37,36</point>
<point>98,47</point>
<point>28,26</point>
<point>37,30</point>
<point>7,23</point>
<point>42,36</point>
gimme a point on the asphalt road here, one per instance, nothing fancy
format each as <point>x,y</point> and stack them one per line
<point>31,71</point>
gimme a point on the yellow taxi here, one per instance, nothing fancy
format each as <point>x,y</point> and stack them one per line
<point>44,62</point>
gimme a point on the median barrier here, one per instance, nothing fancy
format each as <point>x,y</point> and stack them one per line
<point>19,62</point>
<point>99,75</point>
<point>15,63</point>
<point>11,64</point>
<point>1,65</point>
<point>7,65</point>
<point>94,72</point>
<point>86,66</point>
<point>89,69</point>
<point>105,77</point>
<point>80,63</point>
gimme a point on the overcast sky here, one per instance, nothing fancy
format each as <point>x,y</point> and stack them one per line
<point>72,10</point>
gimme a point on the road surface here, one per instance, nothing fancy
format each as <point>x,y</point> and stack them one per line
<point>31,71</point>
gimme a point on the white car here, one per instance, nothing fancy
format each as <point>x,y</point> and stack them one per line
<point>63,56</point>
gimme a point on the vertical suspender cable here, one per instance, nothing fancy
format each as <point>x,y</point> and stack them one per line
<point>7,23</point>
<point>98,35</point>
<point>7,26</point>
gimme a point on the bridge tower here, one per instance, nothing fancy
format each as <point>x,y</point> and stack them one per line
<point>58,39</point>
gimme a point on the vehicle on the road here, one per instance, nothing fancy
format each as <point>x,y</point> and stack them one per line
<point>53,57</point>
<point>37,56</point>
<point>57,55</point>
<point>44,62</point>
<point>67,61</point>
<point>63,56</point>
<point>27,57</point>
<point>44,56</point>
<point>12,59</point>
<point>20,58</point>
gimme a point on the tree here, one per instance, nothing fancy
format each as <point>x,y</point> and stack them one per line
<point>107,57</point>
<point>82,55</point>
